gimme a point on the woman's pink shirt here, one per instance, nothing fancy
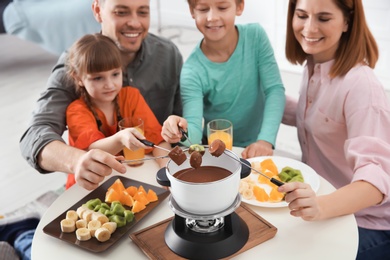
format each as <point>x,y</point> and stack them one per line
<point>344,132</point>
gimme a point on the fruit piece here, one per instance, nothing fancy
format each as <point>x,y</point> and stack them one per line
<point>111,226</point>
<point>81,223</point>
<point>91,204</point>
<point>126,199</point>
<point>119,220</point>
<point>112,195</point>
<point>68,225</point>
<point>132,190</point>
<point>140,196</point>
<point>195,159</point>
<point>117,209</point>
<point>93,225</point>
<point>217,148</point>
<point>196,147</point>
<point>102,234</point>
<point>265,180</point>
<point>151,196</point>
<point>177,155</point>
<point>83,234</point>
<point>138,206</point>
<point>275,195</point>
<point>80,210</point>
<point>260,194</point>
<point>100,217</point>
<point>247,194</point>
<point>72,214</point>
<point>129,216</point>
<point>117,186</point>
<point>142,189</point>
<point>268,164</point>
<point>87,215</point>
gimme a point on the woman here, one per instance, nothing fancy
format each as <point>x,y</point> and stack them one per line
<point>343,117</point>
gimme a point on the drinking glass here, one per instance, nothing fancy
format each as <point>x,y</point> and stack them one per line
<point>138,124</point>
<point>220,129</point>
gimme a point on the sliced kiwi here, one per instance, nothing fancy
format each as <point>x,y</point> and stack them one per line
<point>196,147</point>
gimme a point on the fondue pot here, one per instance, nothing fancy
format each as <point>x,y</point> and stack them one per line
<point>205,198</point>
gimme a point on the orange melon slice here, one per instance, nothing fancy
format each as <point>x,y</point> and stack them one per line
<point>132,190</point>
<point>151,196</point>
<point>112,195</point>
<point>138,206</point>
<point>260,194</point>
<point>117,186</point>
<point>126,199</point>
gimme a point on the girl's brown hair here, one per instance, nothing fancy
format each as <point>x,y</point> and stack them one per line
<point>91,54</point>
<point>357,45</point>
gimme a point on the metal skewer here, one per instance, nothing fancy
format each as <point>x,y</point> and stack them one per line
<point>151,144</point>
<point>273,180</point>
<point>144,159</point>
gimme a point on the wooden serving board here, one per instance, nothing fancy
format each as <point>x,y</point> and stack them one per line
<point>151,239</point>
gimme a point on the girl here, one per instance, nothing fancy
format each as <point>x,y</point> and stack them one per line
<point>94,63</point>
<point>343,117</point>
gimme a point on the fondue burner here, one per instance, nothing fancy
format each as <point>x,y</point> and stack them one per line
<point>206,236</point>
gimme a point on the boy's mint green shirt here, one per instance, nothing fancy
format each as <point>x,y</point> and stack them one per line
<point>247,90</point>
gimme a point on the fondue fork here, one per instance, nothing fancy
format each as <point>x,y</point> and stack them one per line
<point>151,144</point>
<point>273,180</point>
<point>144,159</point>
<point>184,133</point>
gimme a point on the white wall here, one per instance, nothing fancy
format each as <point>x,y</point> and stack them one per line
<point>272,15</point>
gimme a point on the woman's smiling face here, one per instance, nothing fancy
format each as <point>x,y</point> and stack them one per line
<point>318,26</point>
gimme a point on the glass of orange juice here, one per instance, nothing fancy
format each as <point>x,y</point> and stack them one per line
<point>138,124</point>
<point>220,129</point>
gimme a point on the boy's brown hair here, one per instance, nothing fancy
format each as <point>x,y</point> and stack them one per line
<point>357,45</point>
<point>192,3</point>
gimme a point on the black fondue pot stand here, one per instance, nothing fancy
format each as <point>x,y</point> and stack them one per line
<point>213,236</point>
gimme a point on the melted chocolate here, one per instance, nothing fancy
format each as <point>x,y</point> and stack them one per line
<point>202,174</point>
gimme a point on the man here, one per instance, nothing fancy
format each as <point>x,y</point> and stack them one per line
<point>151,64</point>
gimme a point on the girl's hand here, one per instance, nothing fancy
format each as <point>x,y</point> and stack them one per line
<point>129,138</point>
<point>170,129</point>
<point>302,200</point>
<point>260,148</point>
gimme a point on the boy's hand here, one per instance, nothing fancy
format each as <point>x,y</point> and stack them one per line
<point>260,148</point>
<point>170,129</point>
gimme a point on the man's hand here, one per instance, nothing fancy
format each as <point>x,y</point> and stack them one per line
<point>260,148</point>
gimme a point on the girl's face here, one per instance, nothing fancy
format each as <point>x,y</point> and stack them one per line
<point>104,86</point>
<point>215,19</point>
<point>318,26</point>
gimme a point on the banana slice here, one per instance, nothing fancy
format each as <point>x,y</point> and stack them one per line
<point>80,210</point>
<point>83,234</point>
<point>81,223</point>
<point>247,194</point>
<point>111,226</point>
<point>100,216</point>
<point>72,214</point>
<point>68,225</point>
<point>102,234</point>
<point>93,225</point>
<point>87,215</point>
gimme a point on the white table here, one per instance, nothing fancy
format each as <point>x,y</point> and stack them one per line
<point>295,239</point>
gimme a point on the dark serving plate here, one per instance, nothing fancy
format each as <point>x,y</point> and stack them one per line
<point>54,227</point>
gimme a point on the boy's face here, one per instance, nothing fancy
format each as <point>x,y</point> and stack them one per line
<point>124,21</point>
<point>216,18</point>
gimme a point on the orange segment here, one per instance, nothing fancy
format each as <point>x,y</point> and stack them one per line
<point>142,189</point>
<point>268,164</point>
<point>138,206</point>
<point>151,196</point>
<point>112,195</point>
<point>140,196</point>
<point>260,194</point>
<point>132,190</point>
<point>275,195</point>
<point>117,186</point>
<point>126,199</point>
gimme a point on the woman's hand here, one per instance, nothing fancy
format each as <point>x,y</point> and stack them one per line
<point>302,200</point>
<point>260,148</point>
<point>170,129</point>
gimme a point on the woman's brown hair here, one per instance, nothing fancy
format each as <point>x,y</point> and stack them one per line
<point>357,45</point>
